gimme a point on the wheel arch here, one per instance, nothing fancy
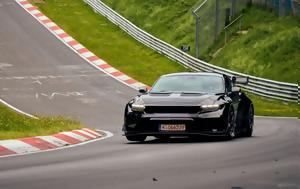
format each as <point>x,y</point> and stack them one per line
<point>243,108</point>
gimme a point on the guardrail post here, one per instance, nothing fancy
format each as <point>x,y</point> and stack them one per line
<point>240,24</point>
<point>233,9</point>
<point>225,38</point>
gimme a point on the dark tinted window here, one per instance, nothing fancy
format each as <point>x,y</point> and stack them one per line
<point>189,84</point>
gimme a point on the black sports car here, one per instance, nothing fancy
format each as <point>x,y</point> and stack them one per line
<point>190,104</point>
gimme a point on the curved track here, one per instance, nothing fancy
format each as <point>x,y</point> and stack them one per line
<point>38,74</point>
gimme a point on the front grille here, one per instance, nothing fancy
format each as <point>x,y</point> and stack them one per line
<point>172,109</point>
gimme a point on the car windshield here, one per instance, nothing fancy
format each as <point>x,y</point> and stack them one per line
<point>189,84</point>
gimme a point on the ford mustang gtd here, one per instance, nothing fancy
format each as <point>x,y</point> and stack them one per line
<point>190,104</point>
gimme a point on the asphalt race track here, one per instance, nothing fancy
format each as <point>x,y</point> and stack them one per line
<point>40,75</point>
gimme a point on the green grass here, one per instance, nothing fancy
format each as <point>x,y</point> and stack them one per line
<point>270,48</point>
<point>269,107</point>
<point>14,125</point>
<point>123,52</point>
<point>108,41</point>
<point>170,20</point>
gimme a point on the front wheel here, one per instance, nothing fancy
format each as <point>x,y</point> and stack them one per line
<point>231,132</point>
<point>136,138</point>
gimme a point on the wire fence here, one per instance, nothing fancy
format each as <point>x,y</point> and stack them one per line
<point>212,16</point>
<point>280,7</point>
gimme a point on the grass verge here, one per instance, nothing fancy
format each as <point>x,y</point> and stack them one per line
<point>121,51</point>
<point>265,50</point>
<point>269,46</point>
<point>14,125</point>
<point>269,107</point>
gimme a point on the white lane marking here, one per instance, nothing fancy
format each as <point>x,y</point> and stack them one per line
<point>87,54</point>
<point>17,110</point>
<point>99,62</point>
<point>50,24</point>
<point>54,140</point>
<point>66,94</point>
<point>123,77</point>
<point>20,77</point>
<point>35,12</point>
<point>111,70</point>
<point>73,135</point>
<point>42,18</point>
<point>138,85</point>
<point>86,133</point>
<point>38,82</point>
<point>78,46</point>
<point>59,31</point>
<point>51,76</point>
<point>18,146</point>
<point>107,135</point>
<point>26,6</point>
<point>68,39</point>
<point>38,77</point>
<point>4,65</point>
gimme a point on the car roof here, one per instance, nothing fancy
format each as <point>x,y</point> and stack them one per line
<point>193,73</point>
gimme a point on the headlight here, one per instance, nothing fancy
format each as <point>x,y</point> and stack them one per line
<point>138,107</point>
<point>210,108</point>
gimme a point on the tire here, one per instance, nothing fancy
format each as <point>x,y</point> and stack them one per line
<point>136,138</point>
<point>248,121</point>
<point>231,132</point>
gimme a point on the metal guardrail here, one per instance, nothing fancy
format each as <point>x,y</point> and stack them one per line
<point>264,87</point>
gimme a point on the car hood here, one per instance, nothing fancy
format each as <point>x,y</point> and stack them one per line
<point>175,99</point>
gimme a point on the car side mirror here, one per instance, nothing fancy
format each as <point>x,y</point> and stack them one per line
<point>240,80</point>
<point>143,90</point>
<point>236,89</point>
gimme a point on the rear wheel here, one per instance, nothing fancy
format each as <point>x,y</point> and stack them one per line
<point>249,121</point>
<point>137,138</point>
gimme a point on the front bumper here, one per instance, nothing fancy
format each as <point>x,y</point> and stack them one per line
<point>211,124</point>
